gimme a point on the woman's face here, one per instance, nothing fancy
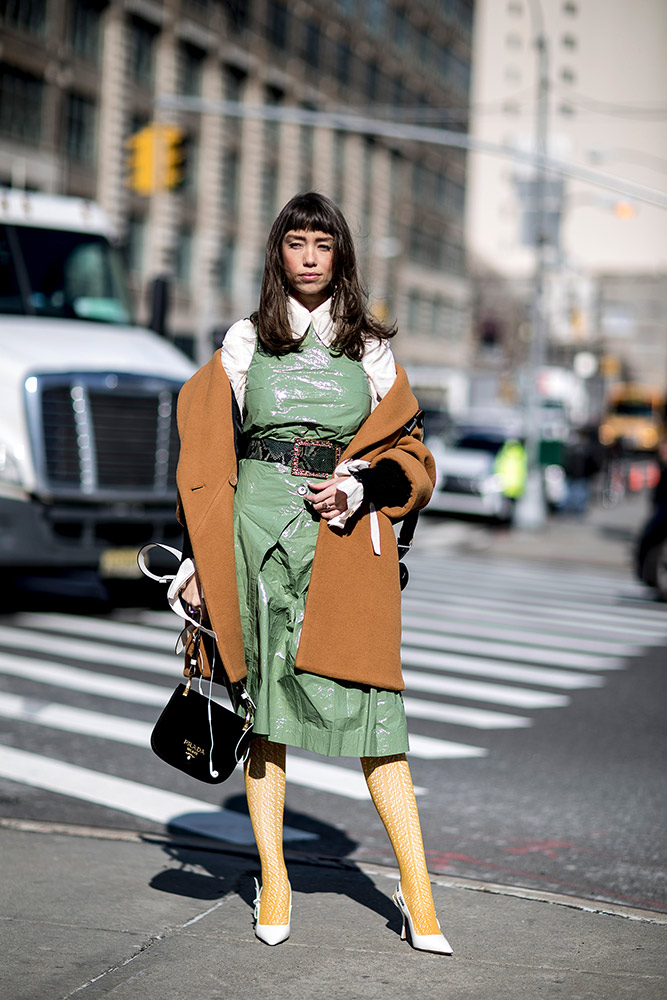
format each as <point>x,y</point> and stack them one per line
<point>308,263</point>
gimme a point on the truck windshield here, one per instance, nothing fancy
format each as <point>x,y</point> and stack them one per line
<point>633,408</point>
<point>56,273</point>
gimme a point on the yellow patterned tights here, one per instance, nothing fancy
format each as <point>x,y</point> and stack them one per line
<point>265,790</point>
<point>390,785</point>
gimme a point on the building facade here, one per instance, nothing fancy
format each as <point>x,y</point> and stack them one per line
<point>606,75</point>
<point>77,79</point>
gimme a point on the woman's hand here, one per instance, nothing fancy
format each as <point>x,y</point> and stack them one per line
<point>327,500</point>
<point>191,595</point>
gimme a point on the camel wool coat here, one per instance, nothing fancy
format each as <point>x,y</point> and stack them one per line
<point>352,623</point>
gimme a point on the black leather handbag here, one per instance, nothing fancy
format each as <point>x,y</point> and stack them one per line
<point>200,737</point>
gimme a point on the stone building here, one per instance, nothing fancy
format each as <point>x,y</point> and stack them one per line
<point>78,78</point>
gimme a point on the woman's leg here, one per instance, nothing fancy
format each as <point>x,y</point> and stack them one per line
<point>392,791</point>
<point>265,790</point>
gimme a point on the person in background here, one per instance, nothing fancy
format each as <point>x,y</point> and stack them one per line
<point>299,449</point>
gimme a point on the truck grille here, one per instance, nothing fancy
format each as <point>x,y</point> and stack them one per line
<point>105,435</point>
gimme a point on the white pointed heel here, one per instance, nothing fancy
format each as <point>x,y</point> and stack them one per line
<point>421,942</point>
<point>271,934</point>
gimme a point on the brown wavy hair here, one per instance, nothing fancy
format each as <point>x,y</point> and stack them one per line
<point>353,322</point>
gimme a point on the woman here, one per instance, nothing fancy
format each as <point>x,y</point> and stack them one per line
<point>307,394</point>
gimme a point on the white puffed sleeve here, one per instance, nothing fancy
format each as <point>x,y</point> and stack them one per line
<point>380,367</point>
<point>238,348</point>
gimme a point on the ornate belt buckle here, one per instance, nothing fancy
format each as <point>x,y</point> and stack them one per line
<point>297,449</point>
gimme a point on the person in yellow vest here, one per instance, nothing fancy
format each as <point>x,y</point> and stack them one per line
<point>511,465</point>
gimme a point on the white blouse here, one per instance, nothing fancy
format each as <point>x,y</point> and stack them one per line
<point>240,340</point>
<point>378,362</point>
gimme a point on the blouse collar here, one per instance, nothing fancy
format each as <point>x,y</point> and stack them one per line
<point>301,318</point>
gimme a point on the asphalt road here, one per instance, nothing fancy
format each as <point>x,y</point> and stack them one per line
<point>535,698</point>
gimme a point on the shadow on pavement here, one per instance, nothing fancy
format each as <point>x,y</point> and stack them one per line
<point>309,873</point>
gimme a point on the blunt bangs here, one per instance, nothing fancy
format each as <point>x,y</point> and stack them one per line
<point>311,213</point>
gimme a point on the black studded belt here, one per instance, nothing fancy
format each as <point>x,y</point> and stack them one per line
<point>305,457</point>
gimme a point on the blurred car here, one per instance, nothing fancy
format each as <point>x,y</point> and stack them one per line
<point>481,471</point>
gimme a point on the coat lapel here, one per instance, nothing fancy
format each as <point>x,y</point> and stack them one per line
<point>389,416</point>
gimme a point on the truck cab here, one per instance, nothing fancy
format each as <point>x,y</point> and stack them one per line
<point>88,438</point>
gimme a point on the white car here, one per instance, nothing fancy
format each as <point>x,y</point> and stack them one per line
<point>467,482</point>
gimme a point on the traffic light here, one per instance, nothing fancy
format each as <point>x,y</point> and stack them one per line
<point>172,156</point>
<point>156,160</point>
<point>141,160</point>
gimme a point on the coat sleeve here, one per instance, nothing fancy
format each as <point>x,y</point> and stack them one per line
<point>416,464</point>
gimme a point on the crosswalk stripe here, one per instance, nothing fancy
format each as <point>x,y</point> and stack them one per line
<point>554,641</point>
<point>565,679</point>
<point>423,597</point>
<point>459,715</point>
<point>90,652</point>
<point>552,621</point>
<point>62,675</point>
<point>471,572</point>
<point>528,596</point>
<point>433,749</point>
<point>507,651</point>
<point>494,694</point>
<point>145,801</point>
<point>123,633</point>
<point>313,774</point>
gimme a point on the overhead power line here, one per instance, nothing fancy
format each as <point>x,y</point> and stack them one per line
<point>398,131</point>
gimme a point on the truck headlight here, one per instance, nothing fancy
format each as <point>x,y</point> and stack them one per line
<point>10,469</point>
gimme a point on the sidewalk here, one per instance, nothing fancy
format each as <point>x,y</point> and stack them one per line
<point>91,914</point>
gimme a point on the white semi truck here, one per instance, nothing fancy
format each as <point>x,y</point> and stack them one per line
<point>88,440</point>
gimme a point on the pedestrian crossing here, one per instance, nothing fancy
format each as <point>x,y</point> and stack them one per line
<point>487,646</point>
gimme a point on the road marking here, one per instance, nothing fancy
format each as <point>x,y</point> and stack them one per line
<point>312,774</point>
<point>494,694</point>
<point>458,715</point>
<point>62,675</point>
<point>154,804</point>
<point>554,626</point>
<point>480,602</point>
<point>566,679</point>
<point>555,642</point>
<point>509,651</point>
<point>433,749</point>
<point>526,596</point>
<point>124,633</point>
<point>89,652</point>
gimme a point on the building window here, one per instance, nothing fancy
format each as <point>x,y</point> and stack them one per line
<point>80,128</point>
<point>26,15</point>
<point>230,181</point>
<point>277,24</point>
<point>513,42</point>
<point>566,110</point>
<point>192,70</point>
<point>372,76</point>
<point>183,257</point>
<point>343,62</point>
<point>414,303</point>
<point>312,45</point>
<point>269,192</point>
<point>569,42</point>
<point>515,9</point>
<point>84,22</point>
<point>142,52</point>
<point>306,149</point>
<point>338,167</point>
<point>513,75</point>
<point>21,96</point>
<point>567,75</point>
<point>227,254</point>
<point>238,13</point>
<point>136,241</point>
<point>570,8</point>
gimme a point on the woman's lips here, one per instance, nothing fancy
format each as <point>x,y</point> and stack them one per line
<point>309,277</point>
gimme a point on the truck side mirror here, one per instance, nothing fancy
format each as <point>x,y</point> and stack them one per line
<point>159,302</point>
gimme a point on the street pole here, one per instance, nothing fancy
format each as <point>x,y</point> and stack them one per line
<point>531,508</point>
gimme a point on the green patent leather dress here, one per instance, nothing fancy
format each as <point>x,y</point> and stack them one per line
<point>307,393</point>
